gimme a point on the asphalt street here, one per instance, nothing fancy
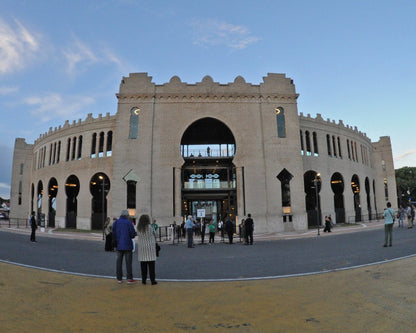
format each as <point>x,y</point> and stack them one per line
<point>220,261</point>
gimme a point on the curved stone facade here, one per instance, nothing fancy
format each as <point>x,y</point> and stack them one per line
<point>203,149</point>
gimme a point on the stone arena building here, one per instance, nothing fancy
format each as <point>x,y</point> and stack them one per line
<point>207,149</point>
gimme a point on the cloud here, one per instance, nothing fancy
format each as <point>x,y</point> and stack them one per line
<point>210,32</point>
<point>8,90</point>
<point>17,46</point>
<point>79,56</point>
<point>56,106</point>
<point>406,154</point>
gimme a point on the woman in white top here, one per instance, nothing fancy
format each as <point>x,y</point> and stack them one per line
<point>146,245</point>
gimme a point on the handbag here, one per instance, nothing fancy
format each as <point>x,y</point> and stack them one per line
<point>157,249</point>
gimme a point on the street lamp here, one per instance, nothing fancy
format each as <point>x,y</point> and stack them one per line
<point>101,177</point>
<point>315,181</point>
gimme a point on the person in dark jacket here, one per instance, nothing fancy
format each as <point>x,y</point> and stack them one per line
<point>229,228</point>
<point>34,226</point>
<point>249,228</point>
<point>123,233</point>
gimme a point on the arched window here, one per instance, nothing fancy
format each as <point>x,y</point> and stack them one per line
<point>134,123</point>
<point>59,152</point>
<point>315,144</point>
<point>328,144</point>
<point>280,119</point>
<point>93,145</point>
<point>101,145</point>
<point>74,147</point>
<point>68,149</point>
<point>79,147</point>
<point>308,143</point>
<point>109,143</point>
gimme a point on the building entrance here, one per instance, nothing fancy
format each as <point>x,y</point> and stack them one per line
<point>208,174</point>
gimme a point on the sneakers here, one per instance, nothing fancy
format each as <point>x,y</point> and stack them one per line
<point>131,281</point>
<point>119,281</point>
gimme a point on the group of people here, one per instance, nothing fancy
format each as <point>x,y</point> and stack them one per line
<point>247,229</point>
<point>122,236</point>
<point>408,214</point>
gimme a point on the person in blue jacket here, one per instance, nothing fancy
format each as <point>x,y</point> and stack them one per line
<point>123,233</point>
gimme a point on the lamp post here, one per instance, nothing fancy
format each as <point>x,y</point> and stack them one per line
<point>101,177</point>
<point>316,180</point>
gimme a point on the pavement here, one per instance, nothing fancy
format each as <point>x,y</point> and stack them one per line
<point>377,298</point>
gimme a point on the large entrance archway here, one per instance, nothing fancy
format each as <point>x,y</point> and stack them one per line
<point>99,188</point>
<point>71,190</point>
<point>208,175</point>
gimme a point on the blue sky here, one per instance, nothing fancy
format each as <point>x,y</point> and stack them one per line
<point>350,60</point>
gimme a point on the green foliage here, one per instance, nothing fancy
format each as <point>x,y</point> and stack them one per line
<point>406,184</point>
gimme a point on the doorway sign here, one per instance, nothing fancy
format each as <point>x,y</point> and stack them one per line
<point>200,212</point>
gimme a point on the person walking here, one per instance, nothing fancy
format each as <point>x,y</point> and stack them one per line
<point>146,245</point>
<point>229,229</point>
<point>328,223</point>
<point>33,226</point>
<point>123,234</point>
<point>249,228</point>
<point>388,225</point>
<point>189,225</point>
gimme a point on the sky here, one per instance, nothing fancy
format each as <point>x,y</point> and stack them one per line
<point>351,60</point>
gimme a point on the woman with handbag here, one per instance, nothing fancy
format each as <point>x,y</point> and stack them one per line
<point>146,245</point>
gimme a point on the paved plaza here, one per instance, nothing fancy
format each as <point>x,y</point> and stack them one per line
<point>283,283</point>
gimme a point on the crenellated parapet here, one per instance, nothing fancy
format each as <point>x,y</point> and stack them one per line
<point>319,121</point>
<point>139,86</point>
<point>76,124</point>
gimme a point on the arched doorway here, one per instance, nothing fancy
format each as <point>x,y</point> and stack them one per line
<point>312,183</point>
<point>355,187</point>
<point>99,188</point>
<point>209,186</point>
<point>52,193</point>
<point>71,191</point>
<point>337,186</point>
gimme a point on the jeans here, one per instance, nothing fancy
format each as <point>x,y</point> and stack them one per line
<point>190,235</point>
<point>388,231</point>
<point>129,259</point>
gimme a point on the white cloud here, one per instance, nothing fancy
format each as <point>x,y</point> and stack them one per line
<point>55,106</point>
<point>80,56</point>
<point>8,90</point>
<point>404,155</point>
<point>210,32</point>
<point>17,46</point>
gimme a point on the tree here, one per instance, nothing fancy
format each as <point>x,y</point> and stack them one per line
<point>406,185</point>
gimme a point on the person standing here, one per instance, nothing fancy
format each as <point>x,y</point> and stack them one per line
<point>123,234</point>
<point>409,217</point>
<point>189,225</point>
<point>249,228</point>
<point>212,229</point>
<point>33,226</point>
<point>146,245</point>
<point>229,229</point>
<point>388,225</point>
<point>400,216</point>
<point>108,230</point>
